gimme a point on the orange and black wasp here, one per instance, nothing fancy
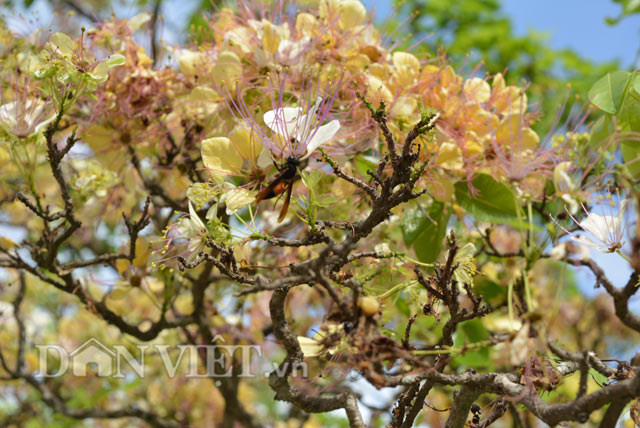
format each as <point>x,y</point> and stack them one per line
<point>295,132</point>
<point>283,183</point>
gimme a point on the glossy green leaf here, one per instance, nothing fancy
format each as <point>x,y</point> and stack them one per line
<point>629,121</point>
<point>601,130</point>
<point>493,201</point>
<point>631,155</point>
<point>425,230</point>
<point>635,84</point>
<point>629,114</point>
<point>608,93</point>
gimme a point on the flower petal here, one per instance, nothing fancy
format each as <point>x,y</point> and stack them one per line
<point>193,215</point>
<point>597,225</point>
<point>283,121</point>
<point>237,198</point>
<point>589,243</point>
<point>621,210</point>
<point>309,347</point>
<point>322,135</point>
<point>221,156</point>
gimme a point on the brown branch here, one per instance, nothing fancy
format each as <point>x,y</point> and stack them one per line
<point>620,296</point>
<point>418,404</point>
<point>463,398</point>
<point>80,11</point>
<point>278,379</point>
<point>498,410</point>
<point>154,27</point>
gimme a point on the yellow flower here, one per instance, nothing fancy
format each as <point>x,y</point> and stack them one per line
<point>270,37</point>
<point>190,62</point>
<point>248,146</point>
<point>472,145</point>
<point>512,132</point>
<point>227,70</point>
<point>63,45</point>
<point>100,73</point>
<point>305,23</point>
<point>221,156</point>
<point>508,99</point>
<point>476,90</point>
<point>377,91</point>
<point>406,68</point>
<point>449,156</point>
<point>350,13</point>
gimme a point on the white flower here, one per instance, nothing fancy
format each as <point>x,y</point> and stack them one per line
<point>237,198</point>
<point>288,51</point>
<point>299,129</point>
<point>191,226</point>
<point>25,118</point>
<point>565,186</point>
<point>607,231</point>
<point>573,204</point>
<point>194,230</point>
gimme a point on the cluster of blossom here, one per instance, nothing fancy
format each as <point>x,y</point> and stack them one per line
<point>261,88</point>
<point>261,109</point>
<point>277,81</point>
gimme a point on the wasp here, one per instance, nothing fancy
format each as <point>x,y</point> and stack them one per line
<point>282,184</point>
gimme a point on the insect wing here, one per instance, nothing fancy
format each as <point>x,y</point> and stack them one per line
<point>287,199</point>
<point>264,193</point>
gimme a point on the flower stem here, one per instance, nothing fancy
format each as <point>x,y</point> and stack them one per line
<point>618,252</point>
<point>394,289</point>
<point>450,350</point>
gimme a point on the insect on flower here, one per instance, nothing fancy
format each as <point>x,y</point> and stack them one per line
<point>296,132</point>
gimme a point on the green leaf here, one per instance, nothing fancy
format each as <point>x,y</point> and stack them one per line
<point>631,155</point>
<point>470,332</point>
<point>602,129</point>
<point>629,114</point>
<point>494,203</point>
<point>629,120</point>
<point>425,230</point>
<point>636,83</point>
<point>490,291</point>
<point>364,163</point>
<point>629,7</point>
<point>599,378</point>
<point>608,93</point>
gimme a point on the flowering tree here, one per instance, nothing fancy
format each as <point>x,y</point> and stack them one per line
<point>317,215</point>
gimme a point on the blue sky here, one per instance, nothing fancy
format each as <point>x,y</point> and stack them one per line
<point>576,24</point>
